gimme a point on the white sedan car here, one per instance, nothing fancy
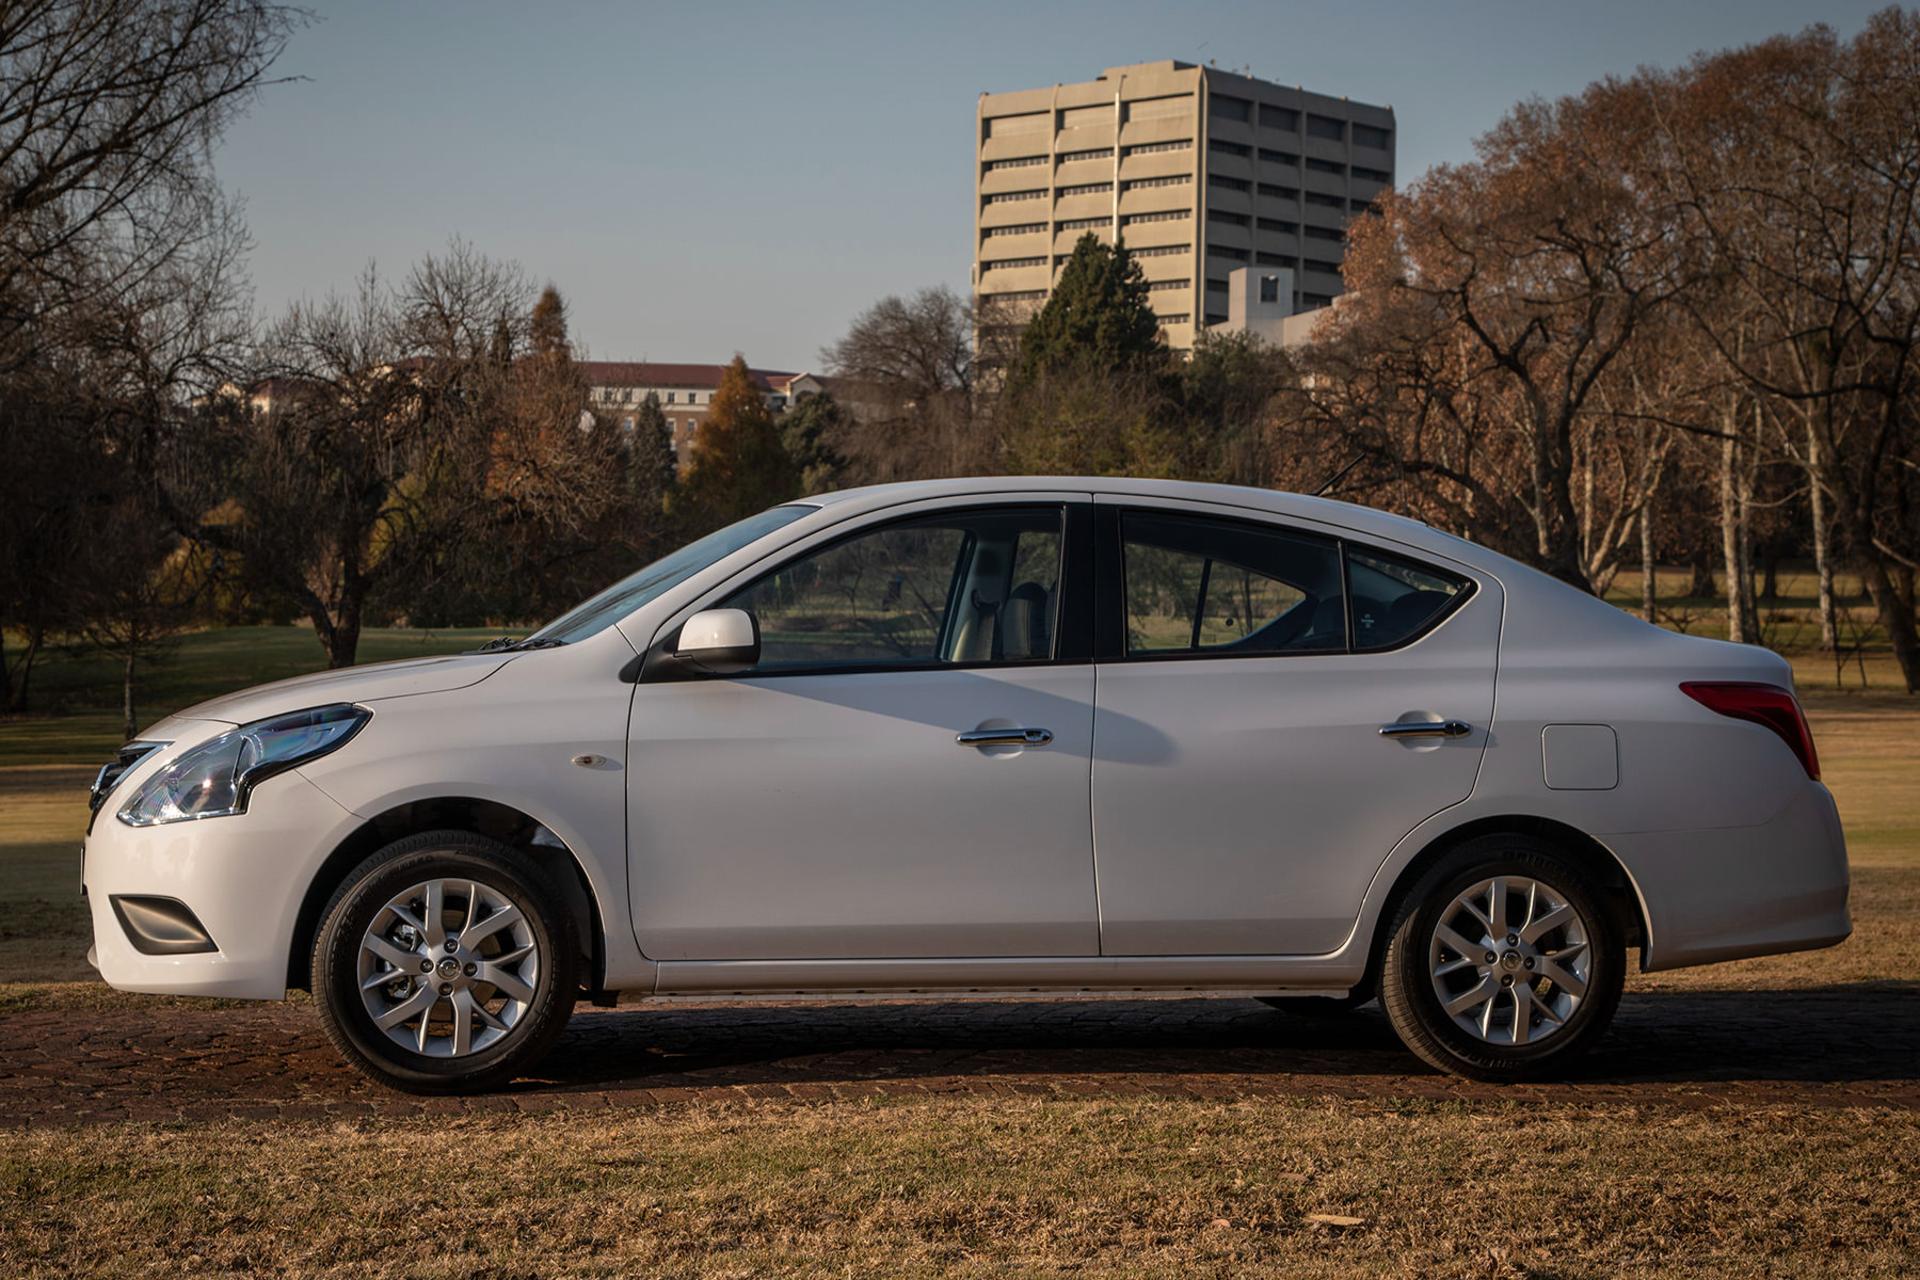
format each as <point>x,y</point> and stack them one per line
<point>1008,735</point>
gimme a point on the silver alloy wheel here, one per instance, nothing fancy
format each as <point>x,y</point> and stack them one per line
<point>1510,960</point>
<point>448,967</point>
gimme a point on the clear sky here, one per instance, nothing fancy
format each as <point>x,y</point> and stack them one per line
<point>705,178</point>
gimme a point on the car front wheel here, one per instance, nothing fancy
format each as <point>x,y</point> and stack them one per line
<point>1504,962</point>
<point>445,963</point>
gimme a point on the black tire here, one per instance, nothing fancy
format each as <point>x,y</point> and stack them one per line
<point>1318,1006</point>
<point>1407,987</point>
<point>365,892</point>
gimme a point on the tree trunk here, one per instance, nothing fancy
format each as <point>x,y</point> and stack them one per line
<point>1730,540</point>
<point>1700,584</point>
<point>23,670</point>
<point>1649,586</point>
<point>1822,543</point>
<point>1896,616</point>
<point>130,724</point>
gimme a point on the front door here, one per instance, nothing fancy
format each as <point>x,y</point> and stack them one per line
<point>1243,793</point>
<point>824,805</point>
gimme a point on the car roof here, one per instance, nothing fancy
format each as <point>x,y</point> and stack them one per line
<point>1330,511</point>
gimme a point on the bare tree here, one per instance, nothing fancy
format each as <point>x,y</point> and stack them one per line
<point>905,374</point>
<point>109,111</point>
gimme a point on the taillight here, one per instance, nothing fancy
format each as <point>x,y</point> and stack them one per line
<point>1762,704</point>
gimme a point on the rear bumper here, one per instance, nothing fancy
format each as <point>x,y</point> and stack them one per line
<point>242,877</point>
<point>1730,892</point>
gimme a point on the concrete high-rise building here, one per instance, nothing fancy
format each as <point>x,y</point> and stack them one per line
<point>1201,171</point>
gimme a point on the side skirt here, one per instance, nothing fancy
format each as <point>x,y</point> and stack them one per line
<point>1012,976</point>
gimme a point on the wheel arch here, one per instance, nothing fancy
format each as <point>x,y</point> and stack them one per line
<point>1622,892</point>
<point>491,818</point>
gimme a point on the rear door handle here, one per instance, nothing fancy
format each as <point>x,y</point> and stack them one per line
<point>1426,729</point>
<point>1004,737</point>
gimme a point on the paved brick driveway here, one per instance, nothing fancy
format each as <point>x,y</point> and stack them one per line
<point>1848,1047</point>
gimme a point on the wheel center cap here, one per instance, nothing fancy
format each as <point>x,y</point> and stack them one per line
<point>1510,960</point>
<point>449,967</point>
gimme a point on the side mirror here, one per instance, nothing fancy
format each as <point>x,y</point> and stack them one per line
<point>720,642</point>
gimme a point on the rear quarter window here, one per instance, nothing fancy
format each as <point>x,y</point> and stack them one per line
<point>1396,601</point>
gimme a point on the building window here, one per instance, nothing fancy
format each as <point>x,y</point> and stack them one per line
<point>1279,157</point>
<point>1018,229</point>
<point>1216,286</point>
<point>1222,251</point>
<point>1231,219</point>
<point>1155,148</point>
<point>670,396</point>
<point>1318,165</point>
<point>1366,135</point>
<point>1326,201</point>
<point>1276,260</point>
<point>1276,224</point>
<point>1084,224</point>
<point>1014,126</point>
<point>1364,206</point>
<point>1008,197</point>
<point>1160,108</point>
<point>1214,319</point>
<point>1328,268</point>
<point>1228,148</point>
<point>1134,219</point>
<point>1021,295</point>
<point>1279,193</point>
<point>1086,117</point>
<point>1086,189</point>
<point>1182,318</point>
<point>1326,127</point>
<point>1280,118</point>
<point>1018,162</point>
<point>1325,233</point>
<point>1071,157</point>
<point>1009,264</point>
<point>1372,175</point>
<point>1160,251</point>
<point>1269,288</point>
<point>1229,184</point>
<point>1161,286</point>
<point>1227,108</point>
<point>1316,299</point>
<point>1142,184</point>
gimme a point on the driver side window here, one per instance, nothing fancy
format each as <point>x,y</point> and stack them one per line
<point>960,587</point>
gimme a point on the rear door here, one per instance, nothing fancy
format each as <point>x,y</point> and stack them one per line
<point>1243,793</point>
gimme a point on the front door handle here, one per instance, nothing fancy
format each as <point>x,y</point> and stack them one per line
<point>1004,737</point>
<point>1426,729</point>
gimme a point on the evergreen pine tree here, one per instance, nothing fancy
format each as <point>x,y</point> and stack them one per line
<point>1098,319</point>
<point>738,464</point>
<point>811,431</point>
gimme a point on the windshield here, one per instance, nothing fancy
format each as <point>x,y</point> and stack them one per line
<point>628,594</point>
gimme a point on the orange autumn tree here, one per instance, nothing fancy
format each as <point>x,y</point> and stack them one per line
<point>739,465</point>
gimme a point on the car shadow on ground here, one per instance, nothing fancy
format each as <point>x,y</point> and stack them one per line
<point>1869,1033</point>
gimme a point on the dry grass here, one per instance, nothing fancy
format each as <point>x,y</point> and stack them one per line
<point>977,1187</point>
<point>965,1185</point>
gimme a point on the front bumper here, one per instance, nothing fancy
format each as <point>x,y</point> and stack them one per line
<point>243,877</point>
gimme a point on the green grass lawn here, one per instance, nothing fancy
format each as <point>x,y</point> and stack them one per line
<point>75,716</point>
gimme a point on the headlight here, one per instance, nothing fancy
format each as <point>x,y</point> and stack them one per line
<point>213,779</point>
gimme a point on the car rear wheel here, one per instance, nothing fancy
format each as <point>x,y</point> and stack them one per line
<point>1504,962</point>
<point>445,963</point>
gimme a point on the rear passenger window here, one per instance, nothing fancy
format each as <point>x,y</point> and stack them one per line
<point>1395,600</point>
<point>1219,586</point>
